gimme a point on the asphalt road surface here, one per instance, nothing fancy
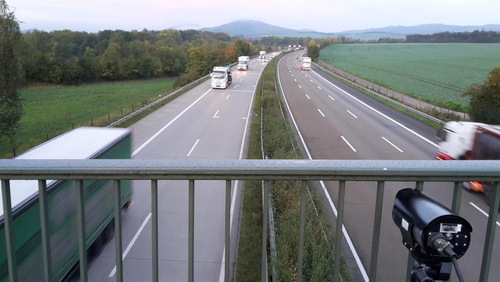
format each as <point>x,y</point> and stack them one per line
<point>203,123</point>
<point>337,122</point>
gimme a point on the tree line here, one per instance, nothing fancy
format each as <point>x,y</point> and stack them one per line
<point>456,37</point>
<point>70,57</point>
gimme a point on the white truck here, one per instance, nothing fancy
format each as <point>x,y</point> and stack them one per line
<point>305,63</point>
<point>486,146</point>
<point>243,62</point>
<point>221,77</point>
<point>262,54</point>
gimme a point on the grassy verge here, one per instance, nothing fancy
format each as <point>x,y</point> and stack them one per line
<point>50,111</point>
<point>278,143</point>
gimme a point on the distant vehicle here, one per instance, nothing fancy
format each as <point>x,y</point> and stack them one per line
<point>305,63</point>
<point>80,143</point>
<point>221,77</point>
<point>243,62</point>
<point>262,54</point>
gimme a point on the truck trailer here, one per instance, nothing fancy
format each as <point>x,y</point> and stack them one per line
<point>80,143</point>
<point>262,54</point>
<point>243,62</point>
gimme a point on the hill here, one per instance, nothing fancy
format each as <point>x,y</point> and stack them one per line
<point>257,29</point>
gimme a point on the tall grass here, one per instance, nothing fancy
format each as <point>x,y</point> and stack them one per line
<point>52,110</point>
<point>436,73</point>
<point>279,143</point>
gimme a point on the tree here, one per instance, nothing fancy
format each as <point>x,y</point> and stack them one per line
<point>485,99</point>
<point>10,75</point>
<point>313,50</point>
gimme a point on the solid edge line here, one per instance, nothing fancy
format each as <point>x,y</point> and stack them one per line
<point>112,273</point>
<point>378,112</point>
<point>168,124</point>
<point>332,205</point>
<point>481,211</point>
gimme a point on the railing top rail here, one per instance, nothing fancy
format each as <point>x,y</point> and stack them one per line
<point>358,170</point>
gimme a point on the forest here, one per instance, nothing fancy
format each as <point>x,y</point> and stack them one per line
<point>456,37</point>
<point>72,57</point>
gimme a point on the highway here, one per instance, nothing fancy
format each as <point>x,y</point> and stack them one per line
<point>337,122</point>
<point>203,123</point>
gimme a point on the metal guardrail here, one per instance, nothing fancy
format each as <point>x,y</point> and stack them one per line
<point>228,170</point>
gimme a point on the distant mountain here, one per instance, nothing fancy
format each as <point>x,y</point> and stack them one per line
<point>250,28</point>
<point>257,29</point>
<point>425,29</point>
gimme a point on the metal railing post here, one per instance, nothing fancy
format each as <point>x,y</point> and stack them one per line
<point>154,227</point>
<point>227,255</point>
<point>301,230</point>
<point>82,235</point>
<point>376,230</point>
<point>44,225</point>
<point>9,231</point>
<point>118,230</point>
<point>265,215</point>
<point>490,233</point>
<point>191,232</point>
<point>338,231</point>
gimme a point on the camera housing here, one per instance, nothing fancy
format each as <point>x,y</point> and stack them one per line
<point>421,220</point>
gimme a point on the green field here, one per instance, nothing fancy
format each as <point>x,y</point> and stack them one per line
<point>437,73</point>
<point>50,111</point>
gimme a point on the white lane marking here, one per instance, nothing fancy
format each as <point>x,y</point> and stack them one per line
<point>294,80</point>
<point>168,124</point>
<point>300,86</point>
<point>321,112</point>
<point>347,142</point>
<point>237,85</point>
<point>325,191</point>
<point>481,211</point>
<point>305,75</point>
<point>378,112</point>
<point>331,97</point>
<point>216,114</point>
<point>318,87</point>
<point>308,97</point>
<point>113,272</point>
<point>352,114</point>
<point>311,80</point>
<point>192,148</point>
<point>227,97</point>
<point>241,79</point>
<point>392,144</point>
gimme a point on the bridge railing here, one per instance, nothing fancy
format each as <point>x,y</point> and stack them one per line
<point>229,170</point>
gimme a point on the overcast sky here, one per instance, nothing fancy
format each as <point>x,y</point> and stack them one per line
<point>318,15</point>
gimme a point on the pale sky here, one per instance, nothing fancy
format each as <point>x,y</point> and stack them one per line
<point>318,15</point>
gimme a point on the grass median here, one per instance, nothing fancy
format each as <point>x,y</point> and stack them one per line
<point>278,142</point>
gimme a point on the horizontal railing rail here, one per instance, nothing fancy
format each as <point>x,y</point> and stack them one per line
<point>228,170</point>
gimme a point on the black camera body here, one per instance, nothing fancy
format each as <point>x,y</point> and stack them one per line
<point>422,220</point>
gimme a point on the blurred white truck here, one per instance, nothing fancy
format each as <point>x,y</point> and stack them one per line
<point>243,62</point>
<point>305,63</point>
<point>262,54</point>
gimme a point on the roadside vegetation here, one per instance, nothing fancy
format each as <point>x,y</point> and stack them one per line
<point>435,73</point>
<point>278,142</point>
<point>52,110</point>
